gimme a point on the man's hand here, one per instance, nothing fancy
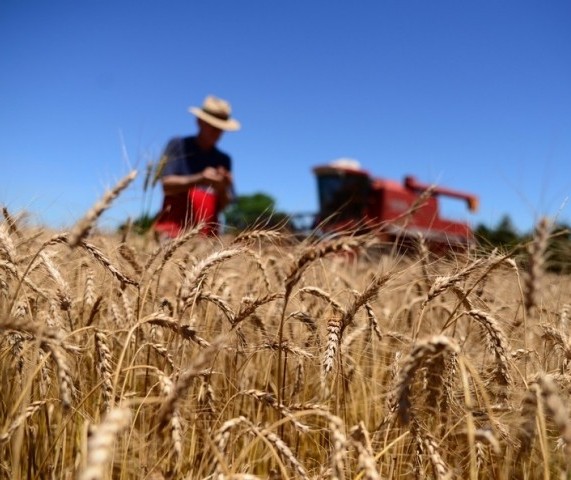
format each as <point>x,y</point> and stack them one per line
<point>218,178</point>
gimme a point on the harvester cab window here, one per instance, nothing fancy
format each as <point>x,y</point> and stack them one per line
<point>343,196</point>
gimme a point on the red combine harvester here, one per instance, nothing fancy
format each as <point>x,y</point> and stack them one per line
<point>350,199</point>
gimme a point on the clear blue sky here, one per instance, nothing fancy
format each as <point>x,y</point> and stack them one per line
<point>474,95</point>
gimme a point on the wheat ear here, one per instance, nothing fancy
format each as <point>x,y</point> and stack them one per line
<point>82,228</point>
<point>558,411</point>
<point>104,369</point>
<point>101,258</point>
<point>193,282</point>
<point>100,444</point>
<point>268,399</point>
<point>185,331</point>
<point>221,438</point>
<point>249,305</point>
<point>284,451</point>
<point>498,341</point>
<point>20,419</point>
<point>167,387</point>
<point>319,293</point>
<point>7,245</point>
<point>199,364</point>
<point>441,470</point>
<point>12,222</point>
<point>421,352</point>
<point>360,438</point>
<point>536,265</point>
<point>336,326</point>
<point>127,252</point>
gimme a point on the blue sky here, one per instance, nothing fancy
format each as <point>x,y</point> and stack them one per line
<point>472,95</point>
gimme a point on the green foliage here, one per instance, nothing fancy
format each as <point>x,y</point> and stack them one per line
<point>140,225</point>
<point>559,249</point>
<point>256,210</point>
<point>504,235</point>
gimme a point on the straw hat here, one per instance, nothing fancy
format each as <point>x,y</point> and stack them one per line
<point>216,112</point>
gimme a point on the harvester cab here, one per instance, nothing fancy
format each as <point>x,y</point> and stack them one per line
<point>351,199</point>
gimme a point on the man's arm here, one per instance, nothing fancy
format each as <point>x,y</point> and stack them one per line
<point>217,179</point>
<point>173,184</point>
<point>226,188</point>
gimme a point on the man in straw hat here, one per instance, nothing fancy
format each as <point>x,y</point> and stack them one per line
<point>196,176</point>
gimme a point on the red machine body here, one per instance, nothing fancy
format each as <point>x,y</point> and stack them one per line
<point>350,199</point>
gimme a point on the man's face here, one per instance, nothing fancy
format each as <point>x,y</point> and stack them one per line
<point>208,134</point>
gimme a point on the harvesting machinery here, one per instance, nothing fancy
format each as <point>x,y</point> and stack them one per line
<point>351,199</point>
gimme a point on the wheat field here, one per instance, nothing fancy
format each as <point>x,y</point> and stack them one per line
<point>264,356</point>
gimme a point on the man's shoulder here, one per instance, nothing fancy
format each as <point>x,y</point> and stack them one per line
<point>175,144</point>
<point>220,153</point>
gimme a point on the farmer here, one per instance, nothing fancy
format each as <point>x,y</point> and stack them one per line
<point>195,175</point>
